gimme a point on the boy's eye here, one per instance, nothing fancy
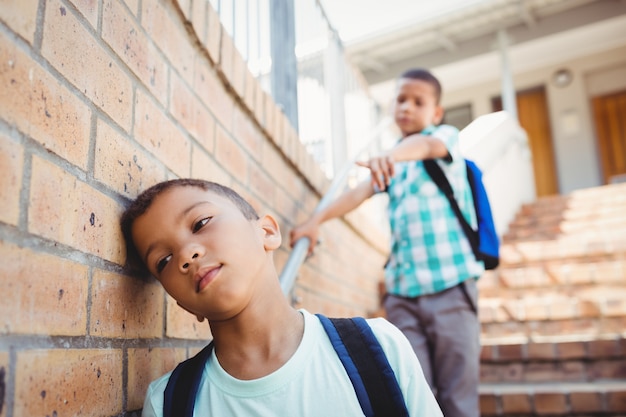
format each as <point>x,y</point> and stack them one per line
<point>200,224</point>
<point>162,263</point>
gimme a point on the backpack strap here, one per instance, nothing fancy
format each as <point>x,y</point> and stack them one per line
<point>439,178</point>
<point>367,366</point>
<point>182,387</point>
<point>358,349</point>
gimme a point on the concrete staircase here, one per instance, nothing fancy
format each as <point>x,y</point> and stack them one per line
<point>554,313</point>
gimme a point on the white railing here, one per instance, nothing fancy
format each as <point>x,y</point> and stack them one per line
<point>335,110</point>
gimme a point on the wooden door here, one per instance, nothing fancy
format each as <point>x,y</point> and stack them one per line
<point>532,112</point>
<point>610,119</point>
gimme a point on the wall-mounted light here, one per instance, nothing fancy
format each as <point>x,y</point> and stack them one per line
<point>562,77</point>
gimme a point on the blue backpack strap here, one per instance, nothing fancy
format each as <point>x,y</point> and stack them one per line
<point>488,240</point>
<point>367,366</point>
<point>182,386</point>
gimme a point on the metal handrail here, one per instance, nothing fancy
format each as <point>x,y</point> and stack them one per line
<point>298,254</point>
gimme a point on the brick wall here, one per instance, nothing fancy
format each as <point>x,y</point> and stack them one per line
<point>98,100</point>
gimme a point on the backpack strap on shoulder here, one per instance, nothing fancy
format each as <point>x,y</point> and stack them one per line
<point>182,387</point>
<point>439,178</point>
<point>367,366</point>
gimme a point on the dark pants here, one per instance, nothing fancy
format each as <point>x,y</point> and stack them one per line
<point>444,331</point>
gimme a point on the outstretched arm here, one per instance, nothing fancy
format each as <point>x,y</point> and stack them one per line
<point>345,203</point>
<point>411,148</point>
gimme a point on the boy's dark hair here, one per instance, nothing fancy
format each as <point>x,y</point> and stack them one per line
<point>140,205</point>
<point>424,75</point>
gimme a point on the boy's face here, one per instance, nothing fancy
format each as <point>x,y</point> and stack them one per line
<point>203,250</point>
<point>416,106</point>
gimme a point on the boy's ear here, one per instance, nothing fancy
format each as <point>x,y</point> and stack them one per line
<point>438,114</point>
<point>271,233</point>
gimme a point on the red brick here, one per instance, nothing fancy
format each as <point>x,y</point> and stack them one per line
<point>205,167</point>
<point>516,403</point>
<point>69,211</point>
<point>225,63</point>
<point>133,5</point>
<point>105,84</point>
<point>568,350</point>
<point>248,134</point>
<point>604,348</point>
<point>608,369</point>
<point>585,402</point>
<point>121,31</point>
<point>614,307</point>
<point>199,19</point>
<point>165,28</point>
<point>573,371</point>
<point>239,72</point>
<point>250,90</point>
<point>11,167</point>
<point>48,294</point>
<point>68,382</point>
<point>616,400</point>
<point>541,350</point>
<point>21,16</point>
<point>510,352</point>
<point>214,34</point>
<point>488,404</point>
<point>550,403</point>
<point>185,7</point>
<point>210,88</point>
<point>191,113</point>
<point>124,307</point>
<point>230,155</point>
<point>589,309</point>
<point>259,104</point>
<point>262,184</point>
<point>490,373</point>
<point>89,9</point>
<point>40,107</point>
<point>535,309</point>
<point>513,372</point>
<point>121,165</point>
<point>146,365</point>
<point>182,325</point>
<point>540,371</point>
<point>160,136</point>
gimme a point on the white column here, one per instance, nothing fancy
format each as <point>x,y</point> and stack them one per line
<point>508,89</point>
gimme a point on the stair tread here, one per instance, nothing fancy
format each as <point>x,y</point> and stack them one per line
<point>552,386</point>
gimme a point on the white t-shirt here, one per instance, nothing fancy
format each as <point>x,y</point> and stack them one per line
<point>313,382</point>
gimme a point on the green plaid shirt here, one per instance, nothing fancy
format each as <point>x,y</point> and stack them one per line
<point>429,251</point>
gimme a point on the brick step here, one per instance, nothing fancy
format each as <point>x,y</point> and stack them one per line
<point>561,276</point>
<point>584,199</point>
<point>564,230</point>
<point>593,246</point>
<point>555,228</point>
<point>570,361</point>
<point>578,328</point>
<point>570,208</point>
<point>599,398</point>
<point>552,304</point>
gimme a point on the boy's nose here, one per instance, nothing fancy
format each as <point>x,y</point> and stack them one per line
<point>188,256</point>
<point>186,264</point>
